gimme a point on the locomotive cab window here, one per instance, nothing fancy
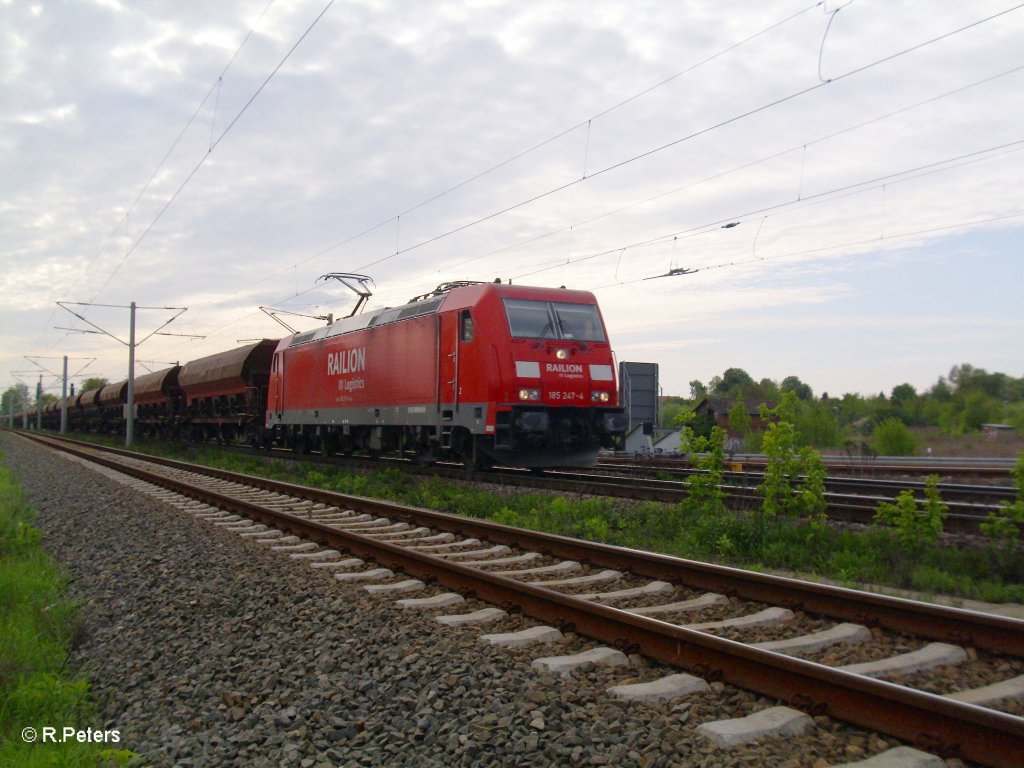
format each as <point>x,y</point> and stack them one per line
<point>579,321</point>
<point>466,325</point>
<point>529,319</point>
<point>547,320</point>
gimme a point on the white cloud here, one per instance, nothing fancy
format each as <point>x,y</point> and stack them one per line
<point>54,114</point>
<point>385,105</point>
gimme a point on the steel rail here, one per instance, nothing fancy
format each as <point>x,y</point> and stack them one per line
<point>904,465</point>
<point>851,508</point>
<point>963,517</point>
<point>932,722</point>
<point>839,484</point>
<point>998,634</point>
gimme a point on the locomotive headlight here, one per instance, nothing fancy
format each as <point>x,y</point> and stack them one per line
<point>600,397</point>
<point>562,354</point>
<point>529,394</point>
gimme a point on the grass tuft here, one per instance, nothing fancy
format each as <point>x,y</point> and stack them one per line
<point>38,625</point>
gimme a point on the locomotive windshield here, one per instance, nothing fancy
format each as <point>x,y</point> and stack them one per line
<point>553,320</point>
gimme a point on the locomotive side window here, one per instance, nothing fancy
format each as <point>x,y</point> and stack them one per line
<point>530,319</point>
<point>579,321</point>
<point>466,321</point>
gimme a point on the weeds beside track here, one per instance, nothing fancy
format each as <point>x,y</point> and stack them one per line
<point>38,624</point>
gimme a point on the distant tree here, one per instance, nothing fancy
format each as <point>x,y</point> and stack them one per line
<point>905,404</point>
<point>852,408</point>
<point>960,375</point>
<point>769,390</point>
<point>966,378</point>
<point>941,390</point>
<point>735,382</point>
<point>93,383</point>
<point>880,409</point>
<point>903,393</point>
<point>817,424</point>
<point>697,390</point>
<point>797,387</point>
<point>14,399</point>
<point>980,408</point>
<point>671,411</point>
<point>1013,414</point>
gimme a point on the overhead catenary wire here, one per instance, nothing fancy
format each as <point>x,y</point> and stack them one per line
<point>834,246</point>
<point>676,142</point>
<point>400,251</point>
<point>744,166</point>
<point>816,199</point>
<point>125,219</point>
<point>213,146</point>
<point>540,145</point>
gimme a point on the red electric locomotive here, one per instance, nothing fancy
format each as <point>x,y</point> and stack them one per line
<point>481,373</point>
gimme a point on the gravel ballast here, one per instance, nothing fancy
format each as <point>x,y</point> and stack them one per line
<point>204,648</point>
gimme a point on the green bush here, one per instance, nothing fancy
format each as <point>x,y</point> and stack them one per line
<point>704,532</point>
<point>893,438</point>
<point>915,527</point>
<point>37,626</point>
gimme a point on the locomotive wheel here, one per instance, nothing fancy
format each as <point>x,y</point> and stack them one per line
<point>425,456</point>
<point>474,459</point>
<point>480,463</point>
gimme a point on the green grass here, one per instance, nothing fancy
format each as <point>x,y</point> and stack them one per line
<point>741,538</point>
<point>38,625</point>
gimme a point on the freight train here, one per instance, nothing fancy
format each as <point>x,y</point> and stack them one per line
<point>479,373</point>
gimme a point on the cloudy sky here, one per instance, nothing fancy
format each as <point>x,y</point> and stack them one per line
<point>223,156</point>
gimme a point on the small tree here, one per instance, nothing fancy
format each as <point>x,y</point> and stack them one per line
<point>915,527</point>
<point>794,478</point>
<point>739,419</point>
<point>1003,528</point>
<point>704,487</point>
<point>892,438</point>
<point>699,425</point>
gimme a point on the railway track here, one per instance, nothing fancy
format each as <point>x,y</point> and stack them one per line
<point>848,499</point>
<point>984,494</point>
<point>642,603</point>
<point>852,500</point>
<point>854,465</point>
